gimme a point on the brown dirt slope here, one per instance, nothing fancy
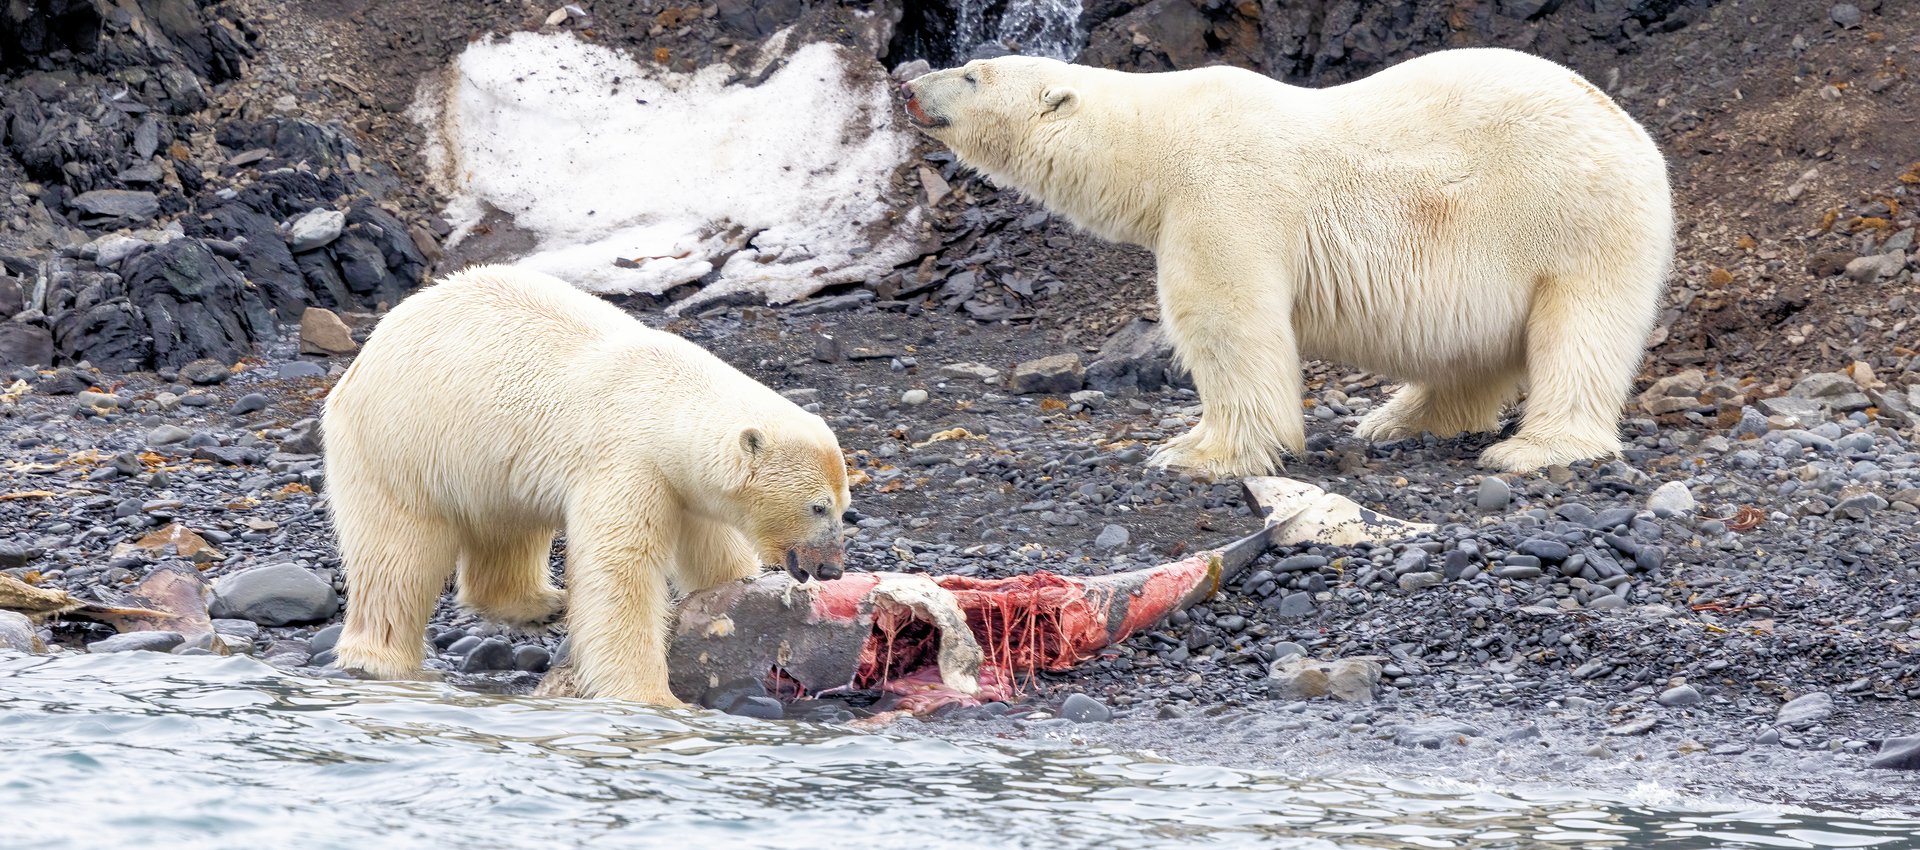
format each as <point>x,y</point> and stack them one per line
<point>1791,138</point>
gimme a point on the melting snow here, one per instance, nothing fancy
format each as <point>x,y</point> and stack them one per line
<point>637,180</point>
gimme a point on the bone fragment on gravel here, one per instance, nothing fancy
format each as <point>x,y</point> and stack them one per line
<point>164,602</point>
<point>1299,512</point>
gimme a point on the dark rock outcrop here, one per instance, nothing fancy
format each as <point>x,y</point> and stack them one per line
<point>1331,41</point>
<point>1136,357</point>
<point>23,344</point>
<point>99,103</point>
<point>174,303</point>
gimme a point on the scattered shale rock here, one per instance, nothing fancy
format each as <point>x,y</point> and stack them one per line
<point>17,634</point>
<point>22,344</point>
<point>322,332</point>
<point>969,372</point>
<point>303,438</point>
<point>13,295</point>
<point>1898,754</point>
<point>1081,708</point>
<point>1672,499</point>
<point>1058,374</point>
<point>1679,695</point>
<point>316,229</point>
<point>1346,679</point>
<point>205,372</point>
<point>1805,711</point>
<point>127,206</point>
<point>138,642</point>
<point>1137,357</point>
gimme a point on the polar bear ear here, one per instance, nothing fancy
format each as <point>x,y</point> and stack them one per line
<point>1060,100</point>
<point>753,444</point>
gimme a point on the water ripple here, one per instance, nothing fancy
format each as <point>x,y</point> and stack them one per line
<point>139,750</point>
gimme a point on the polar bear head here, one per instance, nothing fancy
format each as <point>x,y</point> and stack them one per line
<point>789,492</point>
<point>996,114</point>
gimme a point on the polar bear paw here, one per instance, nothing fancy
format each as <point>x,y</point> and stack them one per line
<point>534,611</point>
<point>1197,453</point>
<point>380,665</point>
<point>545,609</point>
<point>1417,410</point>
<point>1387,424</point>
<point>656,697</point>
<point>1526,454</point>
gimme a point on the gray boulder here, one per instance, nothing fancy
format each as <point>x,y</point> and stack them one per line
<point>274,595</point>
<point>138,642</point>
<point>17,634</point>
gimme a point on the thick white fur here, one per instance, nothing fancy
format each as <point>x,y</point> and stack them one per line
<point>500,405</point>
<point>1469,222</point>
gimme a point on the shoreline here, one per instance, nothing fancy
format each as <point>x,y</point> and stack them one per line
<point>1510,663</point>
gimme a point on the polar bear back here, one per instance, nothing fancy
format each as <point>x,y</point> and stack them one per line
<point>495,391</point>
<point>1209,135</point>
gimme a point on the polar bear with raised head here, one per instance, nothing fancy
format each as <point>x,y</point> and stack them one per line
<point>499,405</point>
<point>1471,222</point>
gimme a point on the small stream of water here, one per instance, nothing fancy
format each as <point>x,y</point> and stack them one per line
<point>1048,28</point>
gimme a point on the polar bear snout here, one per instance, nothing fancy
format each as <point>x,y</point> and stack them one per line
<point>824,561</point>
<point>916,112</point>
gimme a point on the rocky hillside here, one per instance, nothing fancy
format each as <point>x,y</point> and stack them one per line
<point>159,210</point>
<point>151,144</point>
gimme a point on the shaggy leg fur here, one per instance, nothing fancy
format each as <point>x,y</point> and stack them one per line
<point>397,564</point>
<point>618,560</point>
<point>1581,358</point>
<point>1238,342</point>
<point>1443,411</point>
<point>504,577</point>
<point>713,553</point>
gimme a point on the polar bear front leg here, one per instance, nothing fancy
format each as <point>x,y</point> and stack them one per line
<point>619,556</point>
<point>1232,328</point>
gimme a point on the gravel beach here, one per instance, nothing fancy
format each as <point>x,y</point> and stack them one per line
<point>1733,606</point>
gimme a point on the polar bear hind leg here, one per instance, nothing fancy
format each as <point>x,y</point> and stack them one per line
<point>713,553</point>
<point>1463,407</point>
<point>397,564</point>
<point>503,576</point>
<point>1582,352</point>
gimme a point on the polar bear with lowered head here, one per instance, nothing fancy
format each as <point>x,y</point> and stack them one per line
<point>1471,222</point>
<point>499,405</point>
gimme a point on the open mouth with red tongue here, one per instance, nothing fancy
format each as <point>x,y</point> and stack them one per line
<point>918,114</point>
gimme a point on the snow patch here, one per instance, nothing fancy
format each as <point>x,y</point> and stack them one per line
<point>637,179</point>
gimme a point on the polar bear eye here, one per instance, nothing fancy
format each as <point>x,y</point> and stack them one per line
<point>819,510</point>
<point>971,79</point>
